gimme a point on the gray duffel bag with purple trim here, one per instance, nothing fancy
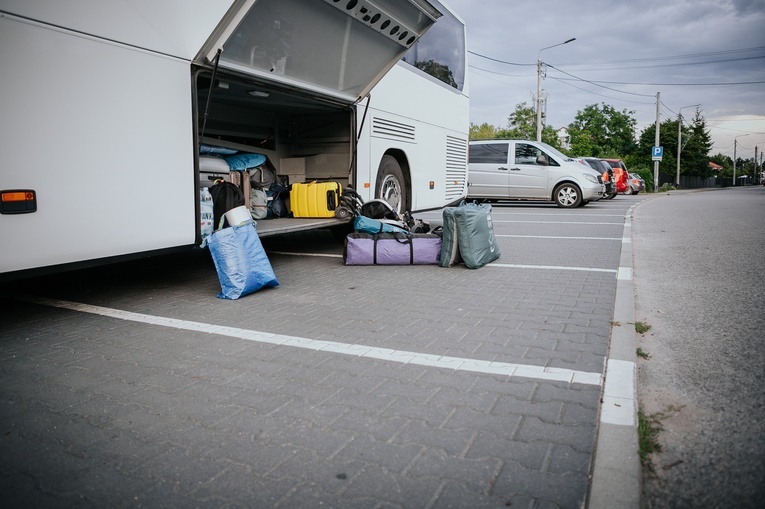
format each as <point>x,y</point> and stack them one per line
<point>392,249</point>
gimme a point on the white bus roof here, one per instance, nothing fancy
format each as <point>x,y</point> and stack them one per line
<point>336,47</point>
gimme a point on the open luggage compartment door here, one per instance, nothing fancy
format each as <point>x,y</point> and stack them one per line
<point>336,48</point>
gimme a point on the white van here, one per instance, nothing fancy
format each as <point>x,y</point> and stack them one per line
<point>529,170</point>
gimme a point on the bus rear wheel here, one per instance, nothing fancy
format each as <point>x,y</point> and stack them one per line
<point>391,185</point>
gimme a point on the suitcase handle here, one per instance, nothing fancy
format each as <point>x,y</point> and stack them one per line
<point>331,201</point>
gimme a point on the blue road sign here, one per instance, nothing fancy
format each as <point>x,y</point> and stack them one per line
<point>656,153</point>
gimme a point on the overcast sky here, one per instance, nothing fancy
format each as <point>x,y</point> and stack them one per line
<point>624,53</point>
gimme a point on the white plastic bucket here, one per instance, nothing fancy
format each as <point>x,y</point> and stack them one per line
<point>238,215</point>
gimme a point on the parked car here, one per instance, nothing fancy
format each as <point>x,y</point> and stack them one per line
<point>529,170</point>
<point>606,172</point>
<point>620,174</point>
<point>636,184</point>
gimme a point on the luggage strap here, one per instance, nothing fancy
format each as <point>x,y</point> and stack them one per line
<point>407,240</point>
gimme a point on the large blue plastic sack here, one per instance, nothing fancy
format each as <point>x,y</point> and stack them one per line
<point>240,260</point>
<point>364,224</point>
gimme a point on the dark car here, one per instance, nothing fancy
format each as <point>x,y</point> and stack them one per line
<point>620,174</point>
<point>607,173</point>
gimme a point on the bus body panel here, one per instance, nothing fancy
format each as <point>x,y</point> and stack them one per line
<point>164,26</point>
<point>103,109</point>
<point>109,153</point>
<point>446,130</point>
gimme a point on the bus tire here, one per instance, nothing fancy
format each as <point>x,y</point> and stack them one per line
<point>391,185</point>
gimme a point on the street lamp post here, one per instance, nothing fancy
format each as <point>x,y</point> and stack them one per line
<point>735,140</point>
<point>680,140</point>
<point>539,86</point>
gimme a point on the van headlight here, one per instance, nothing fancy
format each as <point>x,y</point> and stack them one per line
<point>592,178</point>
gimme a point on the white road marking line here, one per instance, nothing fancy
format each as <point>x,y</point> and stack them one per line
<point>325,255</point>
<point>554,222</point>
<point>548,214</point>
<point>401,356</point>
<point>554,237</point>
<point>550,267</point>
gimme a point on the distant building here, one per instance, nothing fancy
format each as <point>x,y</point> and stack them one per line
<point>564,139</point>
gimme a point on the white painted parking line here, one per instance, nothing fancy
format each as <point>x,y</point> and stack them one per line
<point>320,255</point>
<point>495,212</point>
<point>550,267</point>
<point>554,222</point>
<point>557,238</point>
<point>400,356</point>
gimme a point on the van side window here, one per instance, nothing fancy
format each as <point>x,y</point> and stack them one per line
<point>492,153</point>
<point>527,154</point>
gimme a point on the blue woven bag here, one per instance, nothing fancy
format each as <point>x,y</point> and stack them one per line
<point>240,260</point>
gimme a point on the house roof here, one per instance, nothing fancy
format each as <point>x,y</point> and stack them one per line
<point>714,166</point>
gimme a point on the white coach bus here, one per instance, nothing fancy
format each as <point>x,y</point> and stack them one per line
<point>109,108</point>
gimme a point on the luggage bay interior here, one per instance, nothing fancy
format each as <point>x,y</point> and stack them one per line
<point>305,138</point>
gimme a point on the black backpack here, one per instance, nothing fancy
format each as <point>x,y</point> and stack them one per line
<point>379,209</point>
<point>277,206</point>
<point>226,196</point>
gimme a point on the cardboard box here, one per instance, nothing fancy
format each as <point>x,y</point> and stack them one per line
<point>324,166</point>
<point>293,168</point>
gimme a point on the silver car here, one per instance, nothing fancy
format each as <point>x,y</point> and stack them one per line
<point>635,184</point>
<point>529,170</point>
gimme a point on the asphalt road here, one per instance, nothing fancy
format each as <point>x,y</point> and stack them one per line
<point>700,284</point>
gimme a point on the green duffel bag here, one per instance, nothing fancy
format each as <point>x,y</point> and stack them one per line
<point>478,245</point>
<point>468,235</point>
<point>450,251</point>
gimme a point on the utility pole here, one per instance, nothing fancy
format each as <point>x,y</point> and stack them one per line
<point>735,141</point>
<point>539,86</point>
<point>656,144</point>
<point>680,140</point>
<point>756,179</point>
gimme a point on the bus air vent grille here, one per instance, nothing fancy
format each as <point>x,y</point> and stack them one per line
<point>384,128</point>
<point>456,167</point>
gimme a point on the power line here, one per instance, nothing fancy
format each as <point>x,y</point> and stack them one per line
<point>675,57</point>
<point>670,84</point>
<point>496,60</point>
<point>595,93</point>
<point>501,73</point>
<point>597,84</point>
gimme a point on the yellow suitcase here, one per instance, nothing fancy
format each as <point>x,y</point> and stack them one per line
<point>315,199</point>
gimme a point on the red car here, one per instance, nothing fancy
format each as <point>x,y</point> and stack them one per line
<point>620,174</point>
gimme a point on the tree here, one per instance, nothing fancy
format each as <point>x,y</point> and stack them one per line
<point>521,125</point>
<point>602,131</point>
<point>483,132</point>
<point>694,154</point>
<point>696,144</point>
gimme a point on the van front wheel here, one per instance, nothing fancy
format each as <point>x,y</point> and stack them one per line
<point>568,196</point>
<point>391,185</point>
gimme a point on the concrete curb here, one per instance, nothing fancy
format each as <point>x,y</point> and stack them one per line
<point>617,474</point>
